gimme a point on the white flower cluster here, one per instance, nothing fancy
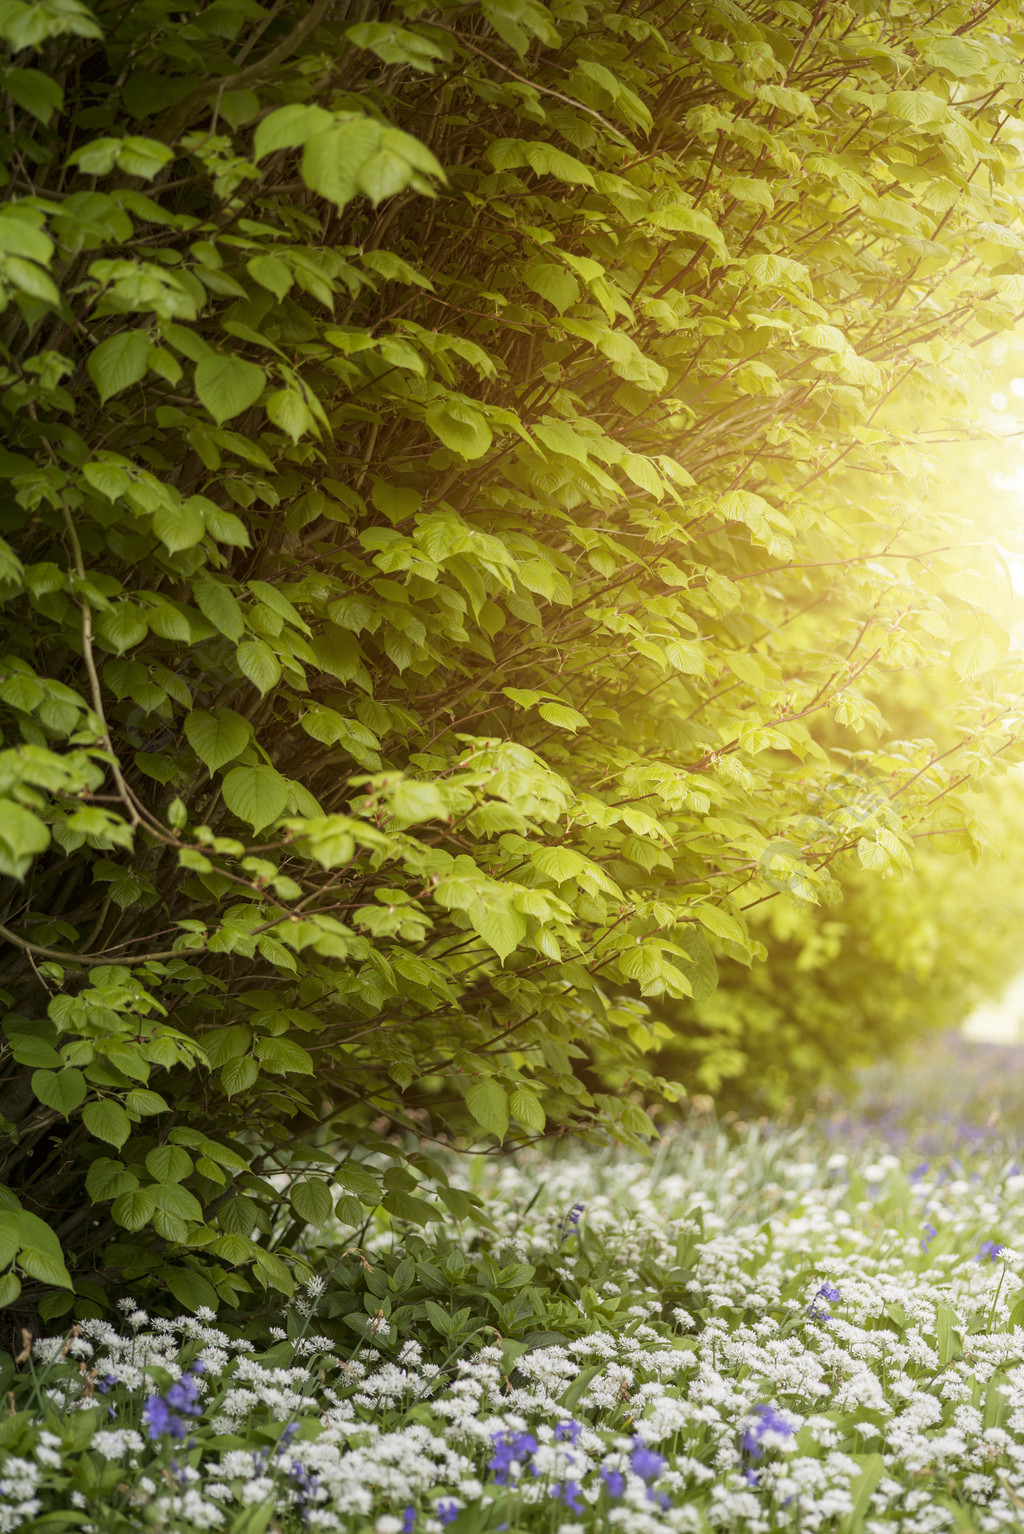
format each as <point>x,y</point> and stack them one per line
<point>756,1335</point>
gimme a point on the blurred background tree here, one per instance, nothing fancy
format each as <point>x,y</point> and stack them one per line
<point>846,985</point>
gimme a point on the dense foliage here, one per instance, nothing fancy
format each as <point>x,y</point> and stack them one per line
<point>454,535</point>
<point>854,1368</point>
<point>845,985</point>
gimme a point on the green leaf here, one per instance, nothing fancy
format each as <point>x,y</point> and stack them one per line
<point>30,1048</point>
<point>270,1269</point>
<point>257,795</point>
<point>413,802</point>
<point>558,863</point>
<point>645,965</point>
<point>108,1179</point>
<point>134,1209</point>
<point>311,1200</point>
<point>487,1101</point>
<point>63,1091</point>
<point>271,273</point>
<point>916,107</point>
<point>562,716</point>
<point>288,127</point>
<point>228,385</point>
<point>10,1288</point>
<point>226,1044</point>
<point>56,1303</point>
<point>238,1075</point>
<point>124,626</point>
<point>334,156</point>
<point>171,1198</point>
<point>168,1163</point>
<point>179,525</point>
<point>439,1318</point>
<point>683,220</point>
<point>527,1109</point>
<point>973,657</point>
<point>288,410</point>
<point>637,1120</point>
<point>947,1325</point>
<point>30,1230</point>
<point>107,1121</point>
<point>406,1206</point>
<point>34,92</point>
<point>872,1468</point>
<point>144,1102</point>
<point>552,282</point>
<point>359,1181</point>
<point>217,738</point>
<point>500,925</point>
<point>31,280</point>
<point>460,426</point>
<point>383,175</point>
<point>190,1289</point>
<point>233,1248</point>
<point>216,602</point>
<point>118,362</point>
<point>283,1055</point>
<point>20,238</point>
<point>224,527</point>
<point>703,976</point>
<point>258,663</point>
<point>238,1214</point>
<point>44,1266</point>
<point>22,837</point>
<point>720,922</point>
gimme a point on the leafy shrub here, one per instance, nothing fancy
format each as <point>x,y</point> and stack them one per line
<point>421,435</point>
<point>845,986</point>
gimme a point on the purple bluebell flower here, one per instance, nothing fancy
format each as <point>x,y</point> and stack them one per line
<point>183,1397</point>
<point>989,1251</point>
<point>447,1510</point>
<point>767,1421</point>
<point>614,1481</point>
<point>510,1449</point>
<point>305,1486</point>
<point>929,1236</point>
<point>818,1312</point>
<point>645,1462</point>
<point>568,1432</point>
<point>408,1520</point>
<point>571,1224</point>
<point>156,1414</point>
<point>165,1414</point>
<point>569,1492</point>
<point>160,1420</point>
